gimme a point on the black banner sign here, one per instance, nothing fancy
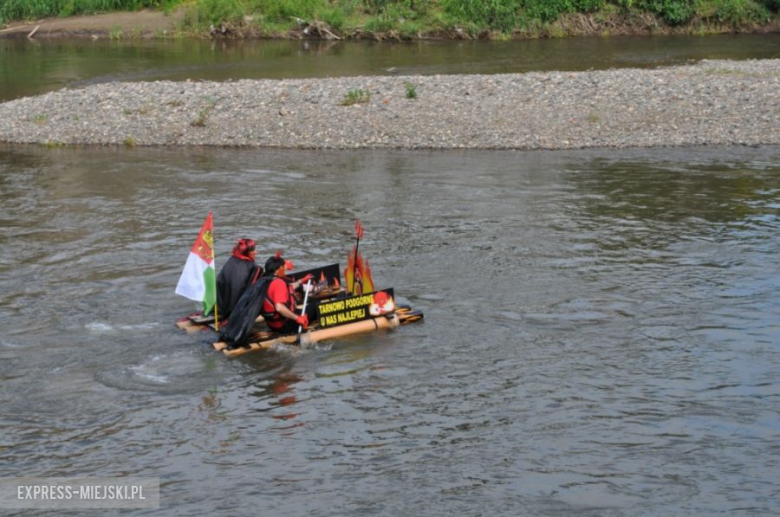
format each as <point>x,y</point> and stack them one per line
<point>331,273</point>
<point>341,311</point>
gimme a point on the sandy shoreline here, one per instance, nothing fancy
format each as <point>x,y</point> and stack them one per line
<point>709,103</point>
<point>145,23</point>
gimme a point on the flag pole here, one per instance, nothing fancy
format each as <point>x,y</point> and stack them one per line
<point>358,234</point>
<point>216,316</point>
<point>216,298</point>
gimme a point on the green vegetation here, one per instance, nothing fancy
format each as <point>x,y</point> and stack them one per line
<point>496,19</point>
<point>140,111</point>
<point>411,91</point>
<point>356,96</point>
<point>115,33</point>
<point>409,19</point>
<point>203,115</point>
<point>735,73</point>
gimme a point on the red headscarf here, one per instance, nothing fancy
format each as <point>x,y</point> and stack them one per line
<point>242,249</point>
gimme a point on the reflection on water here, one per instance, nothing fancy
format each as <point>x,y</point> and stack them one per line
<point>29,67</point>
<point>600,336</point>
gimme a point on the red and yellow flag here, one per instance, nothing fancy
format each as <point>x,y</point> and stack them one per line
<point>198,280</point>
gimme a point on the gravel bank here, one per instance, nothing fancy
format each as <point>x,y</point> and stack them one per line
<point>712,102</point>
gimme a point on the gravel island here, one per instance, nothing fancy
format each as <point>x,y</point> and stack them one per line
<point>707,103</point>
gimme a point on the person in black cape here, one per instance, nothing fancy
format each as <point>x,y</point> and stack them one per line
<point>239,327</point>
<point>238,273</point>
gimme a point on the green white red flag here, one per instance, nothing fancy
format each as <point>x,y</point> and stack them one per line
<point>198,280</point>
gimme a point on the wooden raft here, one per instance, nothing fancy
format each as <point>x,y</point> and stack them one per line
<point>265,339</point>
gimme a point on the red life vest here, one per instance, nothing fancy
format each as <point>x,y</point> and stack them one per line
<point>276,289</point>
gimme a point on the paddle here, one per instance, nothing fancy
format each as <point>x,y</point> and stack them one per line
<point>358,235</point>
<point>303,311</point>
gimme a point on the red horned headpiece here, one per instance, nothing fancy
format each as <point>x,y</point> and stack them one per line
<point>243,248</point>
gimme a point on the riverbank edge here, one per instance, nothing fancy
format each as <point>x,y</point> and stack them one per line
<point>153,24</point>
<point>708,103</point>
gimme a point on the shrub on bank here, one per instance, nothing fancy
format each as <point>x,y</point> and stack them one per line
<point>506,15</point>
<point>738,11</point>
<point>674,12</point>
<point>410,18</point>
<point>217,11</point>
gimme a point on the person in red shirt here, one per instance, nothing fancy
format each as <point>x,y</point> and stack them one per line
<point>279,305</point>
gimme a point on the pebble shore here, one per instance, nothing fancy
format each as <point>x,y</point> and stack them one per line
<point>707,103</point>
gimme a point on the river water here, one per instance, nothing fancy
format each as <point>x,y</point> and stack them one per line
<point>33,67</point>
<point>601,333</point>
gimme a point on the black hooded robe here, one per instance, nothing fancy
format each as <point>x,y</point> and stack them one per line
<point>236,275</point>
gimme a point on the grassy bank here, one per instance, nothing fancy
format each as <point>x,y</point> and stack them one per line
<point>410,19</point>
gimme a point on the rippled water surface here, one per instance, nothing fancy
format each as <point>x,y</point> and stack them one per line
<point>601,332</point>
